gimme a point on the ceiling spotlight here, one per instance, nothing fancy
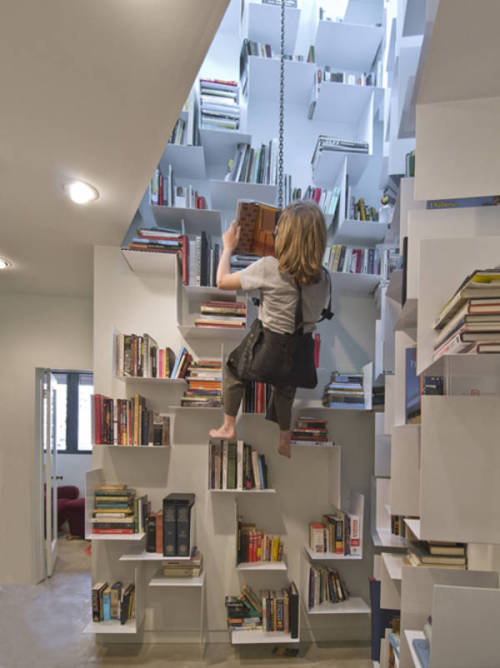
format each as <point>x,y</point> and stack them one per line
<point>81,192</point>
<point>4,264</point>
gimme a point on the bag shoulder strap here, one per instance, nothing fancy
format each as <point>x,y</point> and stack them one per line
<point>326,313</point>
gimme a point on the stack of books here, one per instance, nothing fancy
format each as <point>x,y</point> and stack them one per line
<point>204,381</point>
<point>114,601</point>
<point>156,240</point>
<point>325,585</point>
<point>338,532</point>
<point>345,390</point>
<point>470,321</point>
<point>254,165</point>
<point>255,545</point>
<point>416,386</point>
<point>310,431</point>
<point>256,397</point>
<point>164,192</point>
<point>374,261</point>
<point>139,356</point>
<point>128,422</point>
<point>118,511</point>
<point>229,315</point>
<point>437,555</point>
<point>236,465</point>
<point>325,144</point>
<point>177,511</point>
<point>271,611</point>
<point>200,259</point>
<point>183,568</point>
<point>219,104</point>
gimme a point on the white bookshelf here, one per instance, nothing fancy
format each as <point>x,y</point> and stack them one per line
<point>260,637</point>
<point>213,333</point>
<point>414,526</point>
<point>162,581</point>
<point>112,627</point>
<point>187,161</point>
<point>195,220</point>
<point>263,80</point>
<point>144,262</point>
<point>353,606</point>
<point>242,491</point>
<point>225,194</point>
<point>135,537</point>
<point>261,566</point>
<point>405,470</point>
<point>144,380</point>
<point>330,163</point>
<point>342,102</point>
<point>355,284</point>
<point>263,24</point>
<point>381,515</point>
<point>360,232</point>
<point>330,556</point>
<point>150,556</point>
<point>220,146</point>
<point>390,580</point>
<point>334,40</point>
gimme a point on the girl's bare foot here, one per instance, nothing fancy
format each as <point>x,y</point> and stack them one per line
<point>227,433</point>
<point>285,447</point>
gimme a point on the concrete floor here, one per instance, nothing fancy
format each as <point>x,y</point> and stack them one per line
<point>41,626</point>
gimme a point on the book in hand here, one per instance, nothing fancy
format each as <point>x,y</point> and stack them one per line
<point>257,222</point>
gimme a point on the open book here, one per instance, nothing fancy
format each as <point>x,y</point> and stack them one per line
<point>257,222</point>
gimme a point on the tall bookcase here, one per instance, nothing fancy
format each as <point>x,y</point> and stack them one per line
<point>142,292</point>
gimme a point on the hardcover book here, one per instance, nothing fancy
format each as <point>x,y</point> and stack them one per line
<point>257,222</point>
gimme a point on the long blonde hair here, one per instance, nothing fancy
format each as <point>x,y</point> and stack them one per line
<point>301,241</point>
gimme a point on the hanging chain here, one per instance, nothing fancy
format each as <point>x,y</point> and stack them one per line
<point>282,107</point>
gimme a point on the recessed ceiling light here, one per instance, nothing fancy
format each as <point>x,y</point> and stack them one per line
<point>5,264</point>
<point>81,192</point>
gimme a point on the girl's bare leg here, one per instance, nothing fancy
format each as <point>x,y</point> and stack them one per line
<point>227,431</point>
<point>285,447</point>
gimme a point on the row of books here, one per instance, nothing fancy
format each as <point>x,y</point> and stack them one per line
<point>327,200</point>
<point>200,259</point>
<point>140,356</point>
<point>256,397</point>
<point>325,585</point>
<point>324,143</point>
<point>338,532</point>
<point>226,314</point>
<point>236,465</point>
<point>219,104</point>
<point>117,510</point>
<point>470,321</point>
<point>398,526</point>
<point>164,192</point>
<point>437,555</point>
<point>156,240</point>
<point>254,165</point>
<point>345,390</point>
<point>128,422</point>
<point>114,601</point>
<point>271,611</point>
<point>418,385</point>
<point>350,78</point>
<point>204,381</point>
<point>373,261</point>
<point>359,210</point>
<point>310,431</point>
<point>255,545</point>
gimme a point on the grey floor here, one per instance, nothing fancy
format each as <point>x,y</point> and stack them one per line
<point>41,626</point>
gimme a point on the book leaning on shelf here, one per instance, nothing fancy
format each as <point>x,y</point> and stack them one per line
<point>163,191</point>
<point>113,602</point>
<point>325,585</point>
<point>236,465</point>
<point>139,356</point>
<point>117,510</point>
<point>470,321</point>
<point>271,611</point>
<point>255,545</point>
<point>128,422</point>
<point>338,532</point>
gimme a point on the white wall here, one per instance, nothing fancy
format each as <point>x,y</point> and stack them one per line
<point>72,468</point>
<point>130,303</point>
<point>35,331</point>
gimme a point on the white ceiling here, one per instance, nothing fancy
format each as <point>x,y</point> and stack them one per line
<point>88,90</point>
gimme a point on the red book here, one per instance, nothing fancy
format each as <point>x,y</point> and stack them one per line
<point>202,203</point>
<point>97,419</point>
<point>159,532</point>
<point>259,546</point>
<point>357,253</point>
<point>160,189</point>
<point>220,81</point>
<point>317,343</point>
<point>185,259</point>
<point>260,398</point>
<point>113,531</point>
<point>316,195</point>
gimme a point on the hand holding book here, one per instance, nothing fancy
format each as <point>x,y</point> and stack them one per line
<point>231,236</point>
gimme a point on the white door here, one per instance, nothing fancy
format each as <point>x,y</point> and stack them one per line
<point>49,469</point>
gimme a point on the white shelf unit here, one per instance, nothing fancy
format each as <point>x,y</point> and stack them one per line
<point>355,284</point>
<point>382,460</point>
<point>132,447</point>
<point>334,40</point>
<point>259,637</point>
<point>112,627</point>
<point>410,637</point>
<point>414,526</point>
<point>144,380</point>
<point>188,161</point>
<point>353,606</point>
<point>144,262</point>
<point>330,556</point>
<point>263,80</point>
<point>225,194</point>
<point>150,556</point>
<point>217,333</point>
<point>390,580</point>
<point>220,147</point>
<point>381,515</point>
<point>242,491</point>
<point>360,233</point>
<point>261,566</point>
<point>345,102</point>
<point>262,22</point>
<point>405,470</point>
<point>161,581</point>
<point>195,220</point>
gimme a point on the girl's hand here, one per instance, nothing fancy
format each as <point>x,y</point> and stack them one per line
<point>231,236</point>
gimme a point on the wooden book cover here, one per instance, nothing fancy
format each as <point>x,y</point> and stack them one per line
<point>257,222</point>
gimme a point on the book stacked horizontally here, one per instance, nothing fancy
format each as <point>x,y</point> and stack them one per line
<point>325,144</point>
<point>184,568</point>
<point>345,390</point>
<point>310,431</point>
<point>255,545</point>
<point>256,397</point>
<point>229,315</point>
<point>437,554</point>
<point>204,381</point>
<point>114,601</point>
<point>140,356</point>
<point>338,532</point>
<point>236,465</point>
<point>325,586</point>
<point>470,321</point>
<point>219,104</point>
<point>156,240</point>
<point>271,611</point>
<point>128,422</point>
<point>118,511</point>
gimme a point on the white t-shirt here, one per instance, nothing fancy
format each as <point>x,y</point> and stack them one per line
<point>279,296</point>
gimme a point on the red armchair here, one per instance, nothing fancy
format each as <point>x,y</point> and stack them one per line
<point>71,507</point>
